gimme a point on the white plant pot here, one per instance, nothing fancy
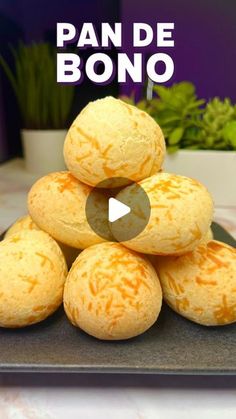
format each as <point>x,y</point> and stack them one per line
<point>43,150</point>
<point>215,169</point>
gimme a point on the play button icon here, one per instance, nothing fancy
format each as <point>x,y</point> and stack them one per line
<point>116,210</point>
<point>118,214</point>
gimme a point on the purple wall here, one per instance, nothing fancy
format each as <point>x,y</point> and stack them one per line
<point>35,20</point>
<point>204,53</point>
<point>36,17</point>
<point>205,39</point>
<point>205,33</point>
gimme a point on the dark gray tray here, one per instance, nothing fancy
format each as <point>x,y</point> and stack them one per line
<point>172,345</point>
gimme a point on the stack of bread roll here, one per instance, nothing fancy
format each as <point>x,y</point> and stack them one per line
<point>114,290</point>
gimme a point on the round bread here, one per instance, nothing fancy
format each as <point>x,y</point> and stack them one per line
<point>208,237</point>
<point>26,223</point>
<point>32,276</point>
<point>23,223</point>
<point>181,214</point>
<point>112,293</point>
<point>57,203</point>
<point>110,138</point>
<point>201,285</point>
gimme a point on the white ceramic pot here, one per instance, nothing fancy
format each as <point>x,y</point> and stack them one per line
<point>43,150</point>
<point>215,169</point>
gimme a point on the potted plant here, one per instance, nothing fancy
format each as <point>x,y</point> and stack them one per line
<point>200,137</point>
<point>44,105</point>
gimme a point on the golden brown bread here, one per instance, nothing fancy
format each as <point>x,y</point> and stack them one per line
<point>110,138</point>
<point>57,204</point>
<point>201,285</point>
<point>32,276</point>
<point>181,214</point>
<point>112,293</point>
<point>26,223</point>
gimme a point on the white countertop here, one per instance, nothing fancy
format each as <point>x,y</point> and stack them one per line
<point>92,396</point>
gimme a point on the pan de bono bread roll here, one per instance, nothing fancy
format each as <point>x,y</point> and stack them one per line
<point>23,223</point>
<point>56,203</point>
<point>26,223</point>
<point>32,275</point>
<point>201,285</point>
<point>112,293</point>
<point>208,237</point>
<point>110,138</point>
<point>181,214</point>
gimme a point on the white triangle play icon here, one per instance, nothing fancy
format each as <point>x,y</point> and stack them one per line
<point>116,210</point>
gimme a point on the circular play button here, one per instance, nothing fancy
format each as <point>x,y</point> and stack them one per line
<point>116,210</point>
<point>118,214</point>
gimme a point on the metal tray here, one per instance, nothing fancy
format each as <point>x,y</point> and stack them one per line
<point>173,345</point>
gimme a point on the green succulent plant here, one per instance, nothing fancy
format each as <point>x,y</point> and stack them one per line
<point>229,134</point>
<point>43,103</point>
<point>186,121</point>
<point>218,125</point>
<point>177,110</point>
